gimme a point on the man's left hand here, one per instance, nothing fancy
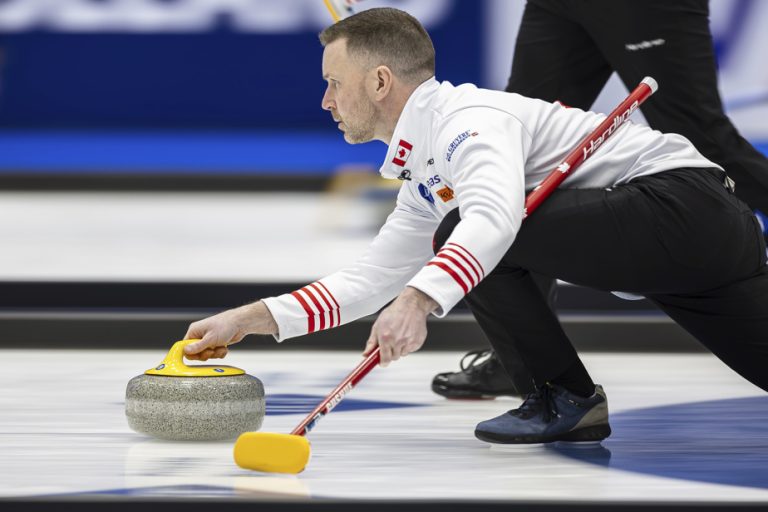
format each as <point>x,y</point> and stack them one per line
<point>402,327</point>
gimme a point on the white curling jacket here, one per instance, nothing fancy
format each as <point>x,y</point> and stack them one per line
<point>478,150</point>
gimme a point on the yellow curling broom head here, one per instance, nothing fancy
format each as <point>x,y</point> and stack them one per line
<point>272,453</point>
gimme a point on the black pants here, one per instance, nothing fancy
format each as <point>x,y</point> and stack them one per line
<point>567,49</point>
<point>678,237</point>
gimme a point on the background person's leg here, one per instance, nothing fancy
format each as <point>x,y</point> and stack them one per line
<point>680,55</point>
<point>555,58</point>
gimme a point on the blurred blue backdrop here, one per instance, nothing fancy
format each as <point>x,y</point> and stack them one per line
<point>235,87</point>
<point>217,76</point>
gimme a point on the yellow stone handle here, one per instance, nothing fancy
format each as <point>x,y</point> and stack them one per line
<point>173,365</point>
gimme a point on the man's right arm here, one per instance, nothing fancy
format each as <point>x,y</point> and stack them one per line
<point>400,249</point>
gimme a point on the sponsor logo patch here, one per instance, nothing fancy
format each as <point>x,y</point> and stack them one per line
<point>445,193</point>
<point>457,142</point>
<point>402,152</point>
<point>426,194</point>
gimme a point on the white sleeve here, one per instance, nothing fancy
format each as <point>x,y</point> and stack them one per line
<point>400,249</point>
<point>486,168</point>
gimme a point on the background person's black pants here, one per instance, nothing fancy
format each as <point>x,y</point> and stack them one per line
<point>678,237</point>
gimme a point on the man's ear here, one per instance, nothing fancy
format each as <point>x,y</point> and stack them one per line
<point>383,82</point>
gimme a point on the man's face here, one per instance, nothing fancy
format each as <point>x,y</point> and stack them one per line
<point>345,96</point>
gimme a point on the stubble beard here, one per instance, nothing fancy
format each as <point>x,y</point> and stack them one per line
<point>361,130</point>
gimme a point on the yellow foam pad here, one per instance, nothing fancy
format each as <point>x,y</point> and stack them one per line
<point>272,453</point>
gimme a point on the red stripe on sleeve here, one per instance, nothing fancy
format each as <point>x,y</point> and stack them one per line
<point>453,274</point>
<point>338,308</point>
<point>316,302</point>
<point>310,313</point>
<point>470,255</point>
<point>471,265</point>
<point>329,308</point>
<point>321,285</point>
<point>471,279</point>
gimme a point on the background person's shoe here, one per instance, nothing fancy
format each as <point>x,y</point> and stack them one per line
<point>551,413</point>
<point>481,376</point>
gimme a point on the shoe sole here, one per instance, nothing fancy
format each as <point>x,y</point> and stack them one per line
<point>593,433</point>
<point>459,394</point>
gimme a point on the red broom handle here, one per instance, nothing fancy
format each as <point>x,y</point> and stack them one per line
<point>583,151</point>
<point>590,143</point>
<point>332,400</point>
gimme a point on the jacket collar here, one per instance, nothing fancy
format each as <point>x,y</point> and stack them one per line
<point>411,132</point>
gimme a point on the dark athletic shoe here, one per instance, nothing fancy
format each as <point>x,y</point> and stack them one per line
<point>481,376</point>
<point>551,413</point>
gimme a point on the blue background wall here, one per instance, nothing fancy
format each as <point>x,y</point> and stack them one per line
<point>219,78</point>
<point>235,86</point>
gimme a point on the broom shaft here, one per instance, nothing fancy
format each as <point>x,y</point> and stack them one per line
<point>332,400</point>
<point>590,143</point>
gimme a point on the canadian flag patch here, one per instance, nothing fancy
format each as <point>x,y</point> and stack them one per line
<point>402,152</point>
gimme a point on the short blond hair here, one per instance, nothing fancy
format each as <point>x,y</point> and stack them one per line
<point>386,37</point>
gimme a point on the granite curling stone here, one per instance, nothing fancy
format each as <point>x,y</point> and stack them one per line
<point>174,401</point>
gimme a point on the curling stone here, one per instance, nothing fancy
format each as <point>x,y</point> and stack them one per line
<point>196,403</point>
